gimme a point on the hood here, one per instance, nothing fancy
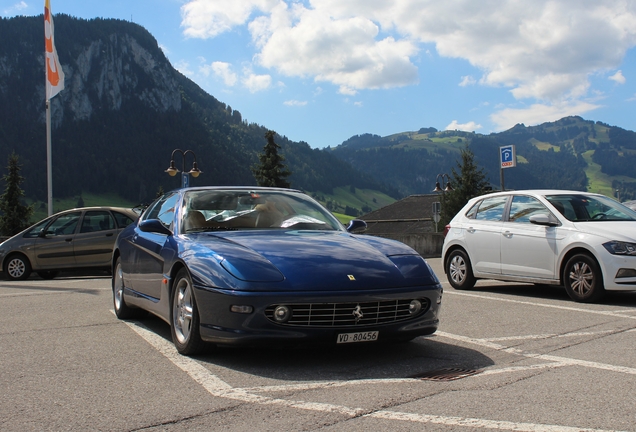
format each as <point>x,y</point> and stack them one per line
<point>288,260</point>
<point>611,230</point>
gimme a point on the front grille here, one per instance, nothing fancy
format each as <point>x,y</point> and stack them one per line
<point>342,314</point>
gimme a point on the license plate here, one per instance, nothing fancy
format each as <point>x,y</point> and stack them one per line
<point>369,336</point>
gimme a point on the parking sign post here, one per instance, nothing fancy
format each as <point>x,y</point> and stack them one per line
<point>437,210</point>
<point>508,159</point>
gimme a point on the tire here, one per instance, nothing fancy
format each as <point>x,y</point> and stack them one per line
<point>184,321</point>
<point>583,279</point>
<point>17,267</point>
<point>48,274</point>
<point>122,310</point>
<point>459,271</point>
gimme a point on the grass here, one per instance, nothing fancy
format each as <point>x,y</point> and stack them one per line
<point>598,181</point>
<point>362,198</point>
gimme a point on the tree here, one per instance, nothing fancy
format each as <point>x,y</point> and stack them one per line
<point>468,183</point>
<point>271,171</point>
<point>15,215</point>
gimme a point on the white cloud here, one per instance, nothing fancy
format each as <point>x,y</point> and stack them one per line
<point>255,83</point>
<point>295,103</point>
<point>184,67</point>
<point>618,77</point>
<point>467,80</point>
<point>467,127</point>
<point>221,70</point>
<point>310,42</point>
<point>539,113</point>
<point>542,50</point>
<point>345,90</point>
<point>209,18</point>
<point>15,9</point>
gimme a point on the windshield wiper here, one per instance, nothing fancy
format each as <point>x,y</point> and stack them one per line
<point>215,228</point>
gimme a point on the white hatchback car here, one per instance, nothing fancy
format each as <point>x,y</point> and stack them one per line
<point>583,241</point>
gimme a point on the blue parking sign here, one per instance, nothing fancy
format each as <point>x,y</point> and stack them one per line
<point>508,156</point>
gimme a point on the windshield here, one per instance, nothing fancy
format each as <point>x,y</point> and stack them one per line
<point>584,208</point>
<point>208,210</point>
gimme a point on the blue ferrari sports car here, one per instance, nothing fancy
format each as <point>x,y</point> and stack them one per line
<point>251,265</point>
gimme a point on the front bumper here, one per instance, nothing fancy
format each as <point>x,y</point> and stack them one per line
<point>619,273</point>
<point>219,325</point>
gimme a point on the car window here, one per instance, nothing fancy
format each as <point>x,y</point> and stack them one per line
<point>122,219</point>
<point>522,207</point>
<point>37,228</point>
<point>97,220</point>
<point>163,210</point>
<point>64,225</point>
<point>590,208</point>
<point>491,209</point>
<point>470,214</point>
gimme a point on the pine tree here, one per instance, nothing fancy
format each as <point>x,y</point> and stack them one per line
<point>271,171</point>
<point>469,182</point>
<point>15,215</point>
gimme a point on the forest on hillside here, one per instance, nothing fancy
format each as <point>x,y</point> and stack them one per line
<point>122,113</point>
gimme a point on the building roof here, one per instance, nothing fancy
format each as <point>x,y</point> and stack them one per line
<point>411,215</point>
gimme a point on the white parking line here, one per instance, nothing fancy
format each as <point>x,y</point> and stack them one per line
<point>545,305</point>
<point>39,293</point>
<point>218,388</point>
<point>548,336</point>
<point>549,358</point>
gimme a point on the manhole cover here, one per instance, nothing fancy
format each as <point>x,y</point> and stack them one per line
<point>447,374</point>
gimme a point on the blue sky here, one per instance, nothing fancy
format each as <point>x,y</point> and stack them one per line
<point>321,71</point>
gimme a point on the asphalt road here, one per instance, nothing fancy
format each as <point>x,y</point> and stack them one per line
<point>506,356</point>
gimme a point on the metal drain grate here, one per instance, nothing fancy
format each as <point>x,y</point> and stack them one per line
<point>447,374</point>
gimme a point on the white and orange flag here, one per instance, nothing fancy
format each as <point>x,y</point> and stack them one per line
<point>54,72</point>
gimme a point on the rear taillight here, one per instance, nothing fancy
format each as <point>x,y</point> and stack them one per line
<point>446,229</point>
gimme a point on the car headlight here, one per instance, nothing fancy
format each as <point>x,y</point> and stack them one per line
<point>620,248</point>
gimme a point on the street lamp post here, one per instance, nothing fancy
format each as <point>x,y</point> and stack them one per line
<point>172,170</point>
<point>437,206</point>
<point>448,187</point>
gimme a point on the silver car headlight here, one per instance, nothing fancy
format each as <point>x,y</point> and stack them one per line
<point>620,248</point>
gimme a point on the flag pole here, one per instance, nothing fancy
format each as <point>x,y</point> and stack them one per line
<point>53,85</point>
<point>49,165</point>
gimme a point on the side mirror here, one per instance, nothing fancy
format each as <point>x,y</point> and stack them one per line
<point>544,219</point>
<point>46,234</point>
<point>154,226</point>
<point>357,226</point>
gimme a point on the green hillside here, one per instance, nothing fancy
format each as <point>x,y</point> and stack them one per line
<point>571,153</point>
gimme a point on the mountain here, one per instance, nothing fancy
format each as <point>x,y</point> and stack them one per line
<point>124,110</point>
<point>571,153</point>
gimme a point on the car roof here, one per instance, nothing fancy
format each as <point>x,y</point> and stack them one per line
<point>540,192</point>
<point>120,209</point>
<point>246,188</point>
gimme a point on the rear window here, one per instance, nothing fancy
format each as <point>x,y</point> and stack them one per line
<point>491,209</point>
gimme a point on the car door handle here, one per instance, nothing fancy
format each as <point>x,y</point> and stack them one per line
<point>507,234</point>
<point>109,235</point>
<point>471,230</point>
<point>69,239</point>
